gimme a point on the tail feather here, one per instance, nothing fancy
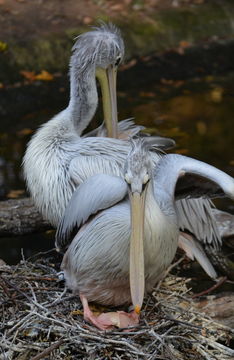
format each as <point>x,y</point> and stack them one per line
<point>194,250</point>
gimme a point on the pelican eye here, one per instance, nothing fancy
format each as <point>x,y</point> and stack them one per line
<point>145,179</point>
<point>127,178</point>
<point>118,61</point>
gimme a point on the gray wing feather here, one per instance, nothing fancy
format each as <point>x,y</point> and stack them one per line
<point>193,214</point>
<point>196,216</point>
<point>194,250</point>
<point>98,192</point>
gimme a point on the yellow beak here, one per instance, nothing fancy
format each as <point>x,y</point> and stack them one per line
<point>107,79</point>
<point>137,273</point>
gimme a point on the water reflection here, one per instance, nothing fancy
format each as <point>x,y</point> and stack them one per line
<point>197,113</point>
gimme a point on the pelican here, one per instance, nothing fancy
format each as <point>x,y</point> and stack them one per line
<point>128,229</point>
<point>48,161</point>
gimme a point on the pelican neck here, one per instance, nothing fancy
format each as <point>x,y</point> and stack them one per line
<point>83,97</point>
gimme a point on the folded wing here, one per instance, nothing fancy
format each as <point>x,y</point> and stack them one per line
<point>97,193</point>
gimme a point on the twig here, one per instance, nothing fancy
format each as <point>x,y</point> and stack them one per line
<point>215,286</point>
<point>48,350</point>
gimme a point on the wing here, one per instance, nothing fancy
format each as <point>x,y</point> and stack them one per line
<point>196,216</point>
<point>96,193</point>
<point>187,179</point>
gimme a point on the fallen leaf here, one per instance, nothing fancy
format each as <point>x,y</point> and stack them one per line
<point>184,44</point>
<point>44,76</point>
<point>25,131</point>
<point>14,194</point>
<point>29,75</point>
<point>130,64</point>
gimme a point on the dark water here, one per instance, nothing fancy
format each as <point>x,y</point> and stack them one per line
<point>197,113</point>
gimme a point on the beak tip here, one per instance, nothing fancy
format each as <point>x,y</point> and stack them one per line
<point>137,309</point>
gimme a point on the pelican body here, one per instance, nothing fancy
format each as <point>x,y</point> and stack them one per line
<point>97,264</point>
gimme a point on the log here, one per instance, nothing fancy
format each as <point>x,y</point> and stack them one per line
<point>219,307</point>
<point>19,217</point>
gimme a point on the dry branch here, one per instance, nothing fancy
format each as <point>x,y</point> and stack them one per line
<point>20,216</point>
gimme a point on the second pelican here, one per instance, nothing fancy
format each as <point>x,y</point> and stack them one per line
<point>116,257</point>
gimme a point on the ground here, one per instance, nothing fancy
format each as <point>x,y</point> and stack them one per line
<point>23,19</point>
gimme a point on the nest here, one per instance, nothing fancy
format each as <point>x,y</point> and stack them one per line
<point>40,319</point>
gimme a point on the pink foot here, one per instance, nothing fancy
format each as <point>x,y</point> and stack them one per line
<point>107,321</point>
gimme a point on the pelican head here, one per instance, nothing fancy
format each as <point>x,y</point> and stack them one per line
<point>138,166</point>
<point>101,50</point>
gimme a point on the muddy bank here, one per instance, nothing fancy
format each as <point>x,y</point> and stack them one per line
<point>38,35</point>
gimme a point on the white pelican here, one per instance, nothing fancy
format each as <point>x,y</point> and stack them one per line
<point>48,161</point>
<point>96,264</point>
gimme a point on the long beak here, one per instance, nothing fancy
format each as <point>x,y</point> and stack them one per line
<point>107,79</point>
<point>137,274</point>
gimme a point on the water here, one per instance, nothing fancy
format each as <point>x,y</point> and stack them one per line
<point>197,113</point>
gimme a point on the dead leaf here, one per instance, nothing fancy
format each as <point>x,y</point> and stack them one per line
<point>25,131</point>
<point>29,75</point>
<point>130,64</point>
<point>44,76</point>
<point>184,44</point>
<point>14,194</point>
